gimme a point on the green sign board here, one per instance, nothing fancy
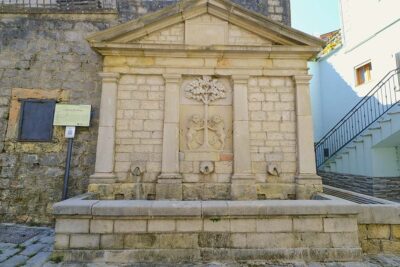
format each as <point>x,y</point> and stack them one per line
<point>72,115</point>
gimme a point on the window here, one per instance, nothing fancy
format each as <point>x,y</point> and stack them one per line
<point>363,74</point>
<point>36,120</point>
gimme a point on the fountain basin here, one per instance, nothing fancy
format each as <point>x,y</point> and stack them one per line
<point>128,231</point>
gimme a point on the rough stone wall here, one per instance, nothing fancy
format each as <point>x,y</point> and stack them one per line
<point>48,51</point>
<point>45,54</point>
<point>278,10</point>
<point>382,187</point>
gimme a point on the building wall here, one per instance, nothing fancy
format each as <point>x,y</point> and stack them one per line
<point>357,14</point>
<point>45,54</point>
<point>367,38</point>
<point>49,51</point>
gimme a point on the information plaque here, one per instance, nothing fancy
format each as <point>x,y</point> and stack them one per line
<point>72,115</point>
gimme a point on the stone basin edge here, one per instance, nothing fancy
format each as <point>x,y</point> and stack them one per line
<point>85,205</point>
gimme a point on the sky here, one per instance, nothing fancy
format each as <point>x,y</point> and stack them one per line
<point>315,17</point>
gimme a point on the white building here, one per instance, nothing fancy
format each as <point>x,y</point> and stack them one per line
<point>345,76</point>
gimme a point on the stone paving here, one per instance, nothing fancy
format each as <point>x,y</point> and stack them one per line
<point>32,247</point>
<point>25,246</point>
<point>373,261</point>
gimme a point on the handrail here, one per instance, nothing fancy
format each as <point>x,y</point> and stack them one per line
<point>382,97</point>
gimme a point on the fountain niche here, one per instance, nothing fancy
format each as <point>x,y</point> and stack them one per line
<point>205,146</point>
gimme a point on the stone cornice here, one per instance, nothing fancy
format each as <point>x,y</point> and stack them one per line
<point>275,51</point>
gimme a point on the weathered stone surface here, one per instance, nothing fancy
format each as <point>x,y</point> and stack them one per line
<point>50,54</point>
<point>42,55</point>
<point>72,226</point>
<point>101,226</point>
<point>39,259</point>
<point>15,260</point>
<point>112,241</point>
<point>377,231</point>
<point>84,241</point>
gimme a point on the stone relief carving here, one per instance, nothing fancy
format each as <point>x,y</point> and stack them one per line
<point>196,124</point>
<point>206,90</point>
<point>217,125</point>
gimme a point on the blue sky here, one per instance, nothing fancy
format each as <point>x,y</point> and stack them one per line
<point>315,17</point>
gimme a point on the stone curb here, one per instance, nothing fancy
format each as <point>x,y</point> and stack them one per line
<point>145,208</point>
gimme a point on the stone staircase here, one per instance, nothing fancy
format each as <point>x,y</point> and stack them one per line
<point>373,151</point>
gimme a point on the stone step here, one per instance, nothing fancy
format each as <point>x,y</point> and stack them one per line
<point>367,135</point>
<point>375,128</point>
<point>385,120</point>
<point>395,112</point>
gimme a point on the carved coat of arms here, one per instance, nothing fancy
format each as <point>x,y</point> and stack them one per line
<point>206,90</point>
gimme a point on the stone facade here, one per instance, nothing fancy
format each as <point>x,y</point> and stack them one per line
<point>48,51</point>
<point>381,187</point>
<point>187,117</point>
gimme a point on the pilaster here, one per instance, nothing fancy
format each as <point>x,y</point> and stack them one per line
<point>243,180</point>
<point>169,185</point>
<point>104,168</point>
<point>307,181</point>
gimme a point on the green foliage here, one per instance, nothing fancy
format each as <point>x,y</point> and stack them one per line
<point>215,219</point>
<point>21,247</point>
<point>56,258</point>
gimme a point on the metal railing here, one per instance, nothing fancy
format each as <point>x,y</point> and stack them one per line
<point>57,5</point>
<point>377,102</point>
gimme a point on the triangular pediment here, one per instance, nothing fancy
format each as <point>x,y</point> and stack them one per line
<point>204,23</point>
<point>203,30</point>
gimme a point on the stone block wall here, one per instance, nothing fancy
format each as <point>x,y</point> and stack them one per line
<point>224,231</point>
<point>381,187</point>
<point>379,238</point>
<point>273,134</point>
<point>208,239</point>
<point>140,115</point>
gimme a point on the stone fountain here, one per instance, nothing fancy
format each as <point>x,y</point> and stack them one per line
<point>205,146</point>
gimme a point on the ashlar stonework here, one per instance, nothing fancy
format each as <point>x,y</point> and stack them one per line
<point>205,101</point>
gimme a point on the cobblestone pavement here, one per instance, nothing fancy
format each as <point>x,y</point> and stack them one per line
<point>32,246</point>
<point>371,261</point>
<point>25,246</point>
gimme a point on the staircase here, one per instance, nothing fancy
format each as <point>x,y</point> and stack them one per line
<point>364,141</point>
